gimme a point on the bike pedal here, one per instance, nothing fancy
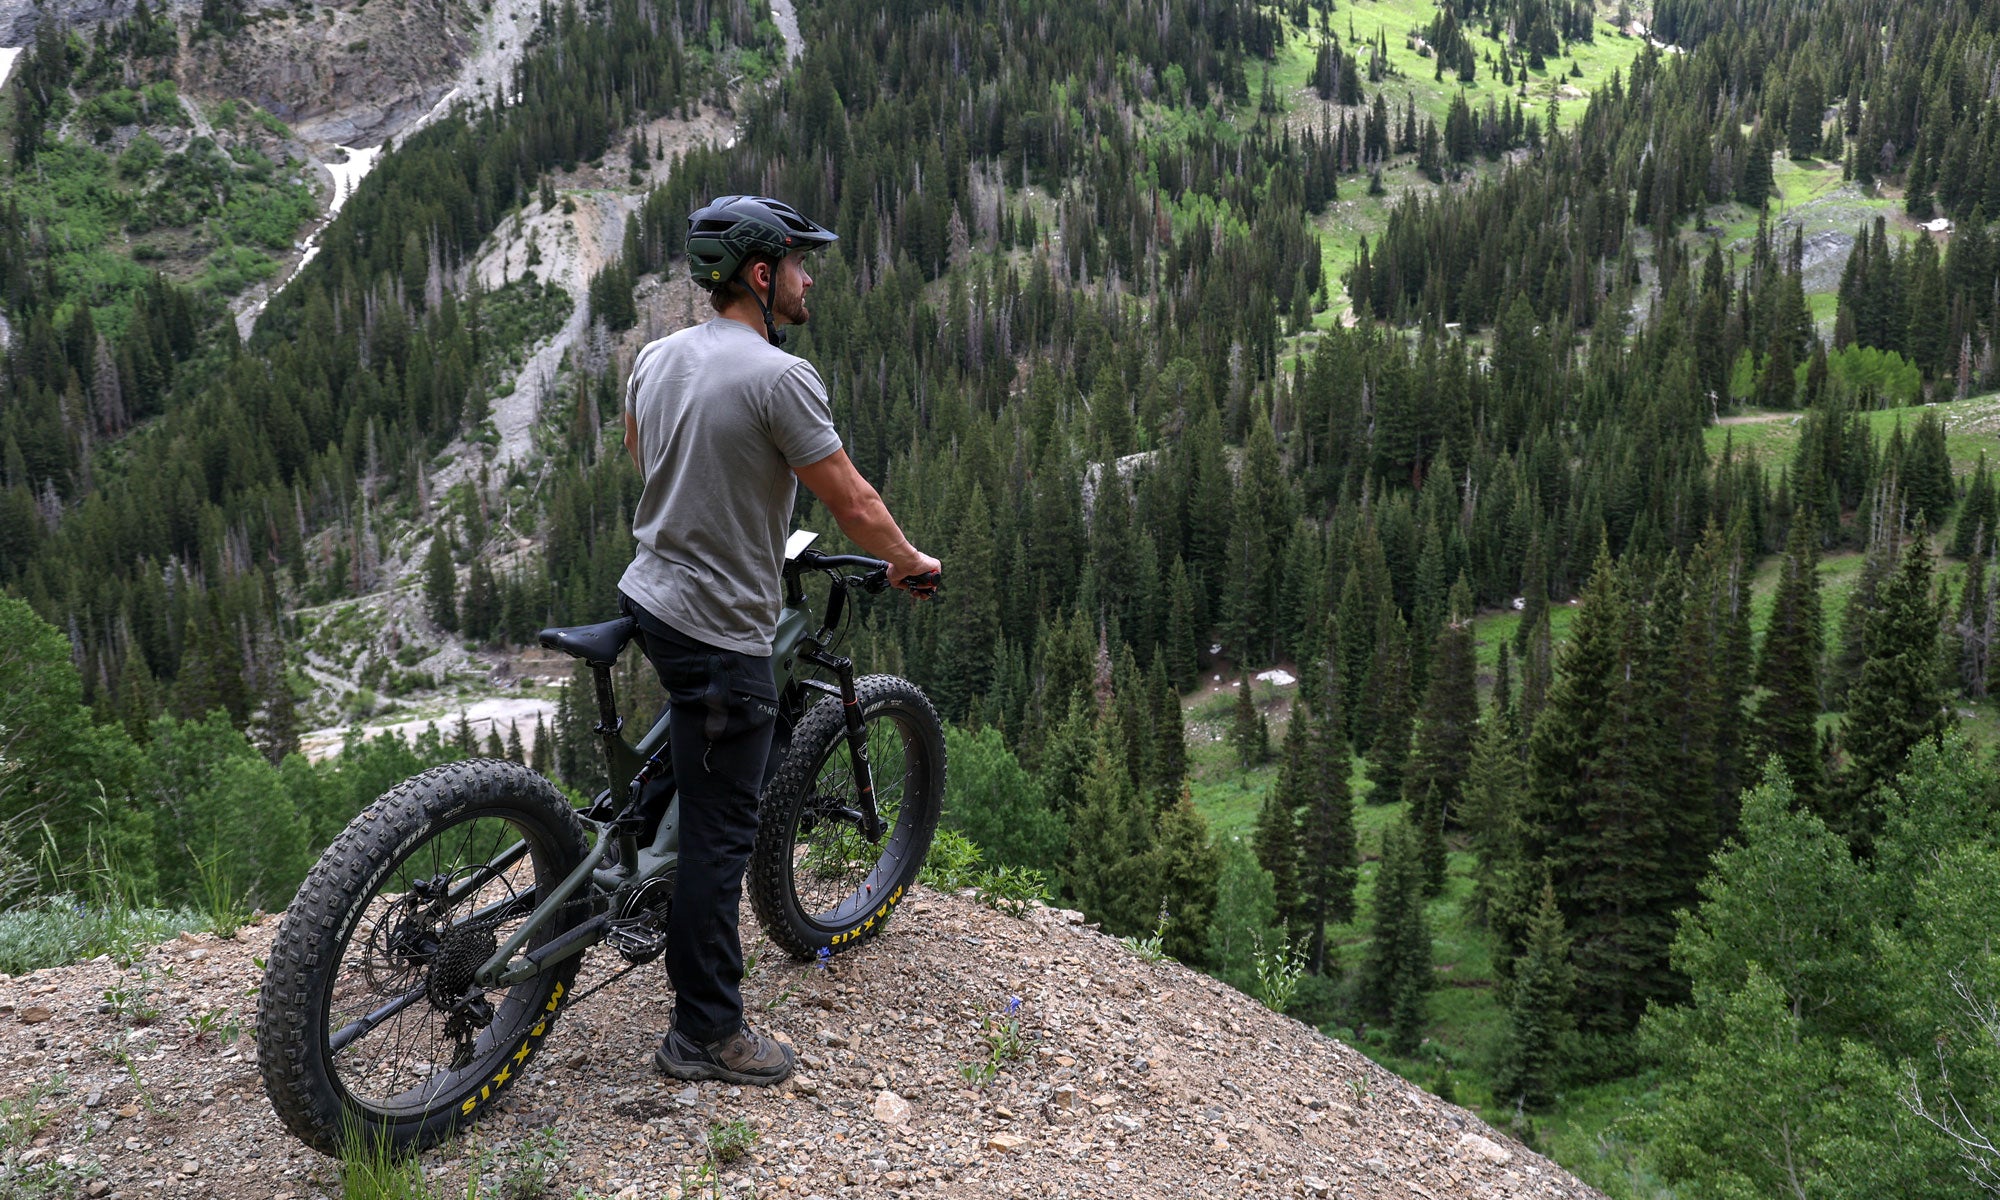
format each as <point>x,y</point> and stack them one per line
<point>636,944</point>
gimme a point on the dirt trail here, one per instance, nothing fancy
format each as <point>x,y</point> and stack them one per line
<point>1135,1079</point>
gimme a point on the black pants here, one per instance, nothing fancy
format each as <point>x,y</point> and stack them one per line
<point>724,706</point>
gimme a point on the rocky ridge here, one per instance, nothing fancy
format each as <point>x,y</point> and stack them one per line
<point>338,71</point>
<point>1132,1079</point>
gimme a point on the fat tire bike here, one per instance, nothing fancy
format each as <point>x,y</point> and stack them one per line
<point>429,953</point>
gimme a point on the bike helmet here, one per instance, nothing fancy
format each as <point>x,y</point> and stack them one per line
<point>728,230</point>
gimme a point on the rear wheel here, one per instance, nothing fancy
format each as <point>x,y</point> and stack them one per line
<point>368,1027</point>
<point>818,882</point>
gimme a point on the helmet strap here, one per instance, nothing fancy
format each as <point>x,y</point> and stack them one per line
<point>772,333</point>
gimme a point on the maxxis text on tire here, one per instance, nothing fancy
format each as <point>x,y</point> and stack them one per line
<point>307,956</point>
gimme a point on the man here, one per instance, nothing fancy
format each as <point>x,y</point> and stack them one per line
<point>723,425</point>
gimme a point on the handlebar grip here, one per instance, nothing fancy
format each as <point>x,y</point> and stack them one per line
<point>924,586</point>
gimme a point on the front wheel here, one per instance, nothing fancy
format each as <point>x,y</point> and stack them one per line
<point>817,881</point>
<point>369,1027</point>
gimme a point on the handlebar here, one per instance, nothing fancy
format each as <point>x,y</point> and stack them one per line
<point>923,586</point>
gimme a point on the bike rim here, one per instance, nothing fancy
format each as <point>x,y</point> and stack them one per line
<point>412,1062</point>
<point>837,874</point>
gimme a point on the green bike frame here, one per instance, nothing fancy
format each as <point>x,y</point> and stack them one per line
<point>796,647</point>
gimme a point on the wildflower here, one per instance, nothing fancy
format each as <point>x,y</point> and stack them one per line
<point>825,954</point>
<point>1013,1005</point>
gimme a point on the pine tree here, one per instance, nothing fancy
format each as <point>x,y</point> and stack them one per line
<point>1754,187</point>
<point>1387,691</point>
<point>1926,475</point>
<point>1112,870</point>
<point>1538,1017</point>
<point>1276,838</point>
<point>1976,628</point>
<point>1169,732</point>
<point>1396,975</point>
<point>966,642</point>
<point>1806,104</point>
<point>1328,853</point>
<point>1448,720</point>
<point>1491,812</point>
<point>1785,720</point>
<point>479,612</point>
<point>1426,821</point>
<point>1885,547</point>
<point>1593,811</point>
<point>441,583</point>
<point>1978,516</point>
<point>1182,634</point>
<point>542,756</point>
<point>1898,701</point>
<point>1189,869</point>
<point>1248,733</point>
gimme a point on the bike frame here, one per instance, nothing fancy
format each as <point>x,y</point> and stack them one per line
<point>796,649</point>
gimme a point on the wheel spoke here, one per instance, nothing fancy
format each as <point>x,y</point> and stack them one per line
<point>834,864</point>
<point>393,1041</point>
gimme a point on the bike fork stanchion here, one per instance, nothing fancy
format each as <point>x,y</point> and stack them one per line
<point>857,738</point>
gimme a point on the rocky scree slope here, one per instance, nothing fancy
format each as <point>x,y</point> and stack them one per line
<point>336,70</point>
<point>1134,1079</point>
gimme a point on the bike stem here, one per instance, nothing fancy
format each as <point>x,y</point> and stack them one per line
<point>857,736</point>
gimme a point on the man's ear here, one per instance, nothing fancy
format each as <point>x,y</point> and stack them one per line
<point>761,282</point>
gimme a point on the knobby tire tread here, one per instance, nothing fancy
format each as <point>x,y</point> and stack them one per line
<point>821,732</point>
<point>290,1047</point>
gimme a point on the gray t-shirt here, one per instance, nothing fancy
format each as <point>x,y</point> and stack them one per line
<point>723,417</point>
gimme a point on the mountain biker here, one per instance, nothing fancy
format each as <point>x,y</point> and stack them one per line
<point>723,425</point>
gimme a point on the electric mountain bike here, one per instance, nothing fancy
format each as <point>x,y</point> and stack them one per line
<point>428,954</point>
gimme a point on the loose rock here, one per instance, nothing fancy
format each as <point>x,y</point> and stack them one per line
<point>891,1109</point>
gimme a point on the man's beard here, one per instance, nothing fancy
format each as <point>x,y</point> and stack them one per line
<point>790,302</point>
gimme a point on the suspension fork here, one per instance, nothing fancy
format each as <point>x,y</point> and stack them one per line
<point>857,737</point>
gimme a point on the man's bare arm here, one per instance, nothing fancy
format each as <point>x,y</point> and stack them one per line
<point>858,509</point>
<point>632,439</point>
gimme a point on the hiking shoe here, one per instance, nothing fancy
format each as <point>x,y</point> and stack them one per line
<point>745,1056</point>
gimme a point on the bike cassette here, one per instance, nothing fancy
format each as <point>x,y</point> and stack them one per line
<point>639,931</point>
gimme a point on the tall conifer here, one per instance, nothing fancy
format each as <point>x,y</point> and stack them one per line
<point>1897,702</point>
<point>1328,855</point>
<point>1786,710</point>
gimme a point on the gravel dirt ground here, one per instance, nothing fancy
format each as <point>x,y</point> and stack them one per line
<point>1136,1079</point>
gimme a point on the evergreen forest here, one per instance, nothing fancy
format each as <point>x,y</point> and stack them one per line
<point>1470,521</point>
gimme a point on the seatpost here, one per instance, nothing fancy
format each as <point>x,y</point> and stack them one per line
<point>608,721</point>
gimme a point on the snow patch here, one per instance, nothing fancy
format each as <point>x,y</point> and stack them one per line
<point>1278,678</point>
<point>347,175</point>
<point>495,714</point>
<point>7,56</point>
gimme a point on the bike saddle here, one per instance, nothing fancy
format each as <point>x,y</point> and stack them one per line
<point>597,645</point>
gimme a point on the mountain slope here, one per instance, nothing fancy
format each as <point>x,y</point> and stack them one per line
<point>1137,1080</point>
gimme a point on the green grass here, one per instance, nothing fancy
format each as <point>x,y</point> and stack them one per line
<point>1970,426</point>
<point>65,929</point>
<point>1414,73</point>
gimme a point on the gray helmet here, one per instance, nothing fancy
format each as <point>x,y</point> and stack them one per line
<point>729,229</point>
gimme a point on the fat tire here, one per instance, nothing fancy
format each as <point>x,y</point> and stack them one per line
<point>821,734</point>
<point>305,955</point>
